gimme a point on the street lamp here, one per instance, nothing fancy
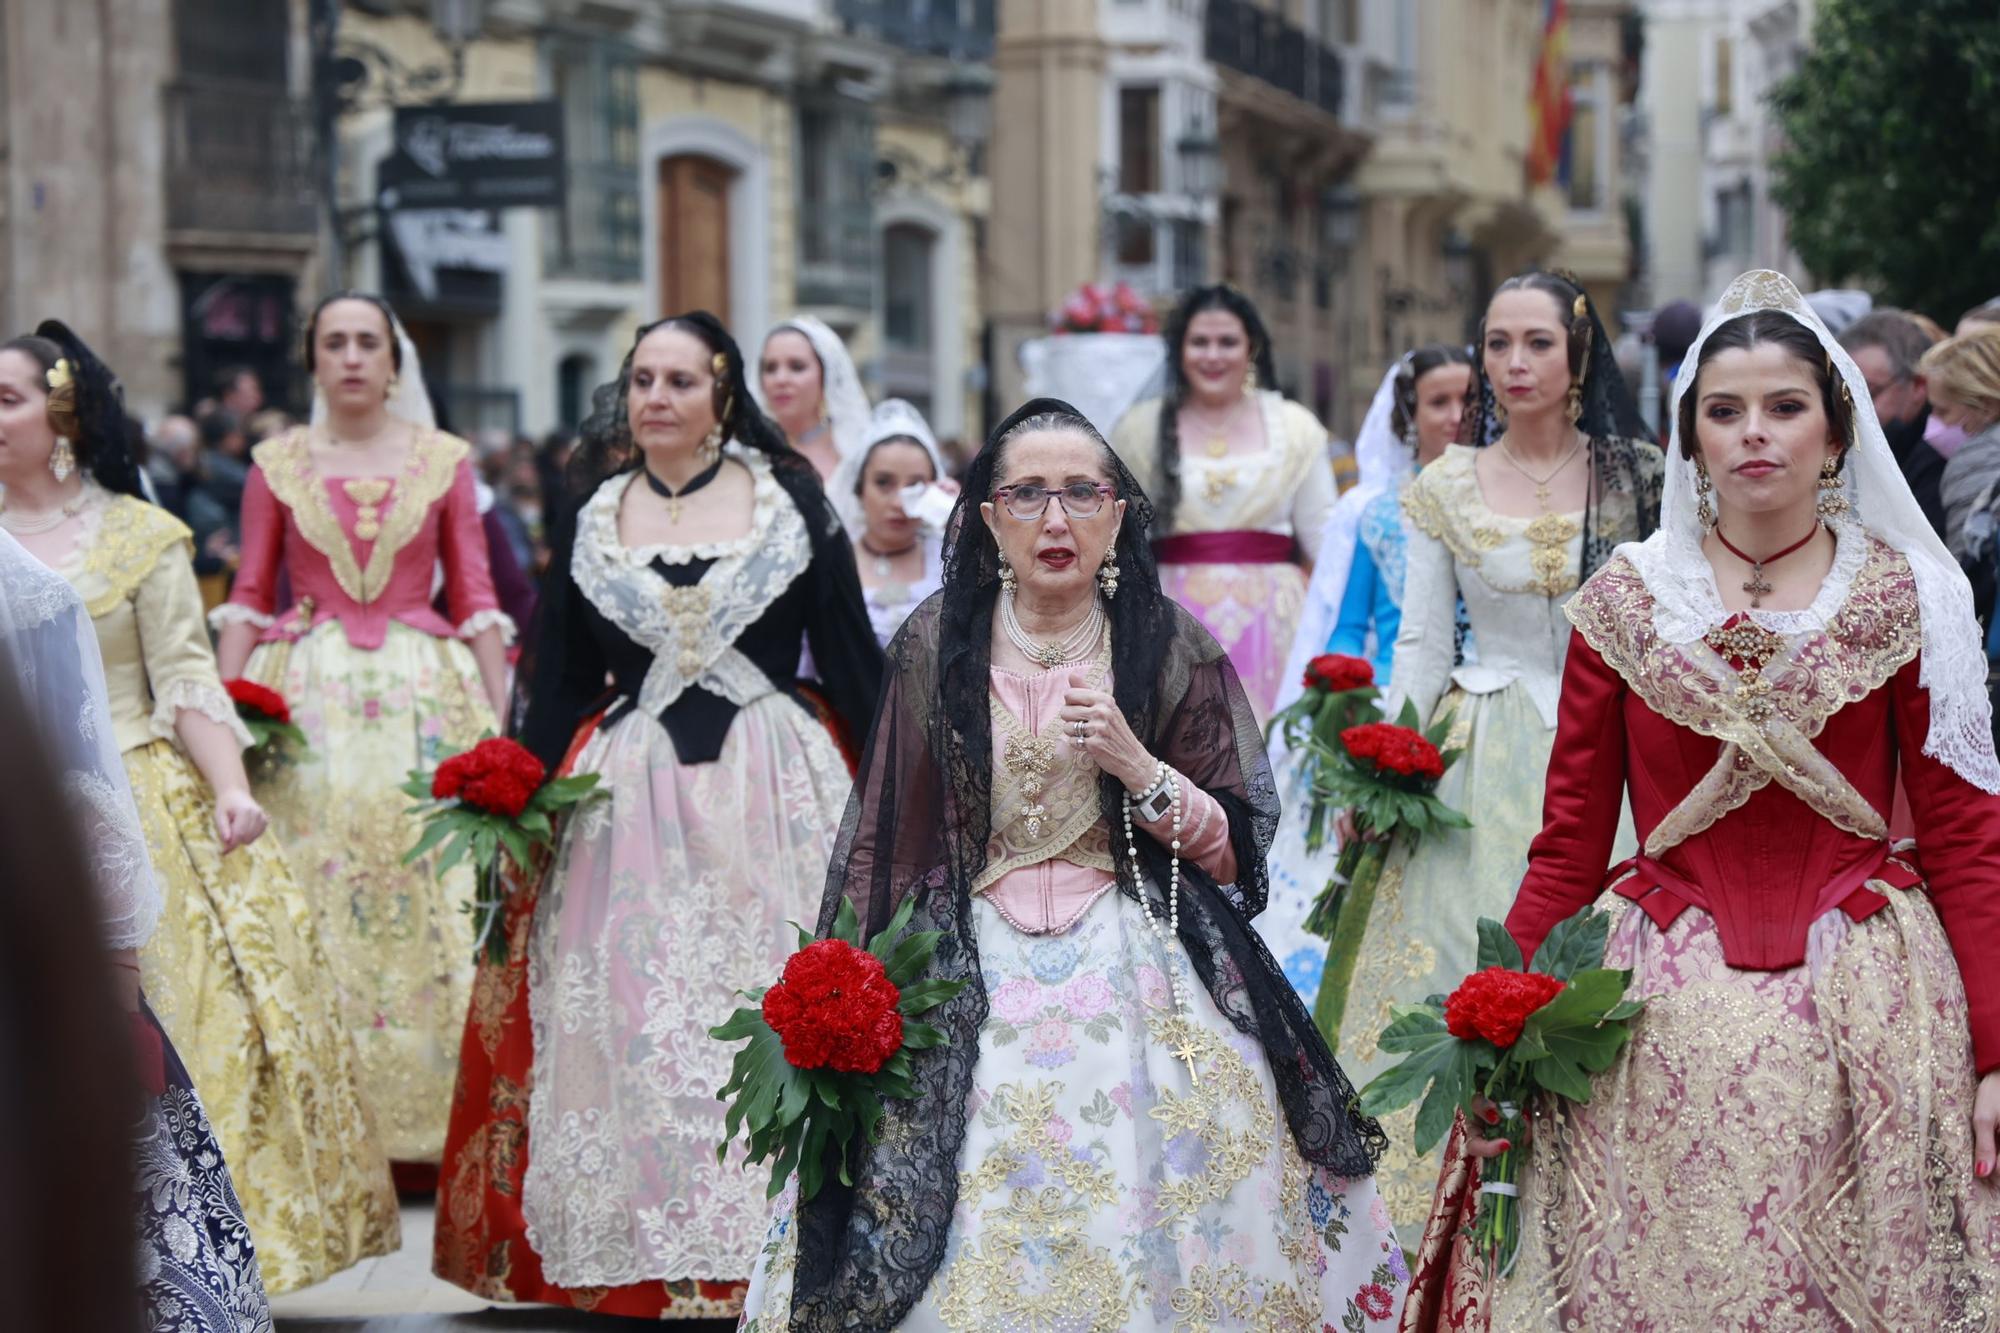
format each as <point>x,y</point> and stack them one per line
<point>1201,159</point>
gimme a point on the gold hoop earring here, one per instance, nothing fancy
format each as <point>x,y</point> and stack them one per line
<point>1008,583</point>
<point>62,459</point>
<point>1831,503</point>
<point>1107,573</point>
<point>1704,509</point>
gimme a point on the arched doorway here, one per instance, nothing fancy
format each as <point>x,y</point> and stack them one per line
<point>693,211</point>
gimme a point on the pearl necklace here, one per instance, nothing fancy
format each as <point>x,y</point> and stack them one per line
<point>1070,648</point>
<point>1169,933</point>
<point>46,522</point>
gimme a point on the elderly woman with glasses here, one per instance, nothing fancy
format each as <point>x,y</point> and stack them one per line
<point>1132,1120</point>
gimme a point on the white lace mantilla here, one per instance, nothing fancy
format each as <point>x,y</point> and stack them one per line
<point>1687,604</point>
<point>692,631</point>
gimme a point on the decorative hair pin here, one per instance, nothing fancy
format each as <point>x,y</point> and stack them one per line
<point>59,376</point>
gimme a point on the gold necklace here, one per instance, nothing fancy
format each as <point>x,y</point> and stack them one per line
<point>1541,483</point>
<point>1217,445</point>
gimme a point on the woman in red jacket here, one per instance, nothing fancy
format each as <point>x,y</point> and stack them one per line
<point>1801,1131</point>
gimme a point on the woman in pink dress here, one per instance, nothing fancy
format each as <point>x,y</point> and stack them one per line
<point>360,510</point>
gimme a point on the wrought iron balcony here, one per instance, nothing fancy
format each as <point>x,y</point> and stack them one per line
<point>955,29</point>
<point>239,159</point>
<point>1254,41</point>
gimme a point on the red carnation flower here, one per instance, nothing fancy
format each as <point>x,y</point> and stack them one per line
<point>1396,749</point>
<point>1338,671</point>
<point>497,775</point>
<point>1495,1003</point>
<point>835,1007</point>
<point>1375,1301</point>
<point>259,699</point>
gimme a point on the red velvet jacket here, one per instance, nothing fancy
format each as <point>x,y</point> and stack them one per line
<point>1792,825</point>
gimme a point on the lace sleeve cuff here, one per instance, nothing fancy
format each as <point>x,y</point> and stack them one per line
<point>489,619</point>
<point>197,696</point>
<point>235,613</point>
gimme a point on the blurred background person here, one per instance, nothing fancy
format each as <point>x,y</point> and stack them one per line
<point>1887,344</point>
<point>1963,374</point>
<point>898,552</point>
<point>1983,316</point>
<point>806,381</point>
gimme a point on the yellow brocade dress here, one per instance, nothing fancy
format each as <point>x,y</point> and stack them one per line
<point>235,970</point>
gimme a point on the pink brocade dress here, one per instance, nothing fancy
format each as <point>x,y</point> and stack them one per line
<point>382,684</point>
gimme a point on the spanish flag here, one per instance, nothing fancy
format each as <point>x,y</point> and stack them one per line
<point>1549,104</point>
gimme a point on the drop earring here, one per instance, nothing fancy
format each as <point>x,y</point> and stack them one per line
<point>1107,573</point>
<point>1574,407</point>
<point>1704,508</point>
<point>1831,504</point>
<point>1008,583</point>
<point>62,459</point>
<point>1250,381</point>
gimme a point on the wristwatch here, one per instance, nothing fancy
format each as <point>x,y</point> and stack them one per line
<point>1156,801</point>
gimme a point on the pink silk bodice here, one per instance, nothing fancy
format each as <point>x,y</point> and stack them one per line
<point>1047,895</point>
<point>363,550</point>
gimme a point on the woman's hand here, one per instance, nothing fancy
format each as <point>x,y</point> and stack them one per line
<point>1347,830</point>
<point>1476,1144</point>
<point>1093,722</point>
<point>239,820</point>
<point>1985,1116</point>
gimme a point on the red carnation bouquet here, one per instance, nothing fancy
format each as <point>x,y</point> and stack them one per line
<point>1387,773</point>
<point>1096,307</point>
<point>827,1043</point>
<point>274,737</point>
<point>1507,1034</point>
<point>492,799</point>
<point>1339,693</point>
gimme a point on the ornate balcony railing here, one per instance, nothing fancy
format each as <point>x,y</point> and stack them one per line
<point>1254,41</point>
<point>956,29</point>
<point>239,159</point>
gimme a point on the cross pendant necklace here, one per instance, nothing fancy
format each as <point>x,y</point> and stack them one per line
<point>674,497</point>
<point>1757,585</point>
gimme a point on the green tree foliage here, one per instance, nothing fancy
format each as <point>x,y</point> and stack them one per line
<point>1891,174</point>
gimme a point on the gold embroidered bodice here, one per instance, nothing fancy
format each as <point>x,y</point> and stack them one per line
<point>1045,791</point>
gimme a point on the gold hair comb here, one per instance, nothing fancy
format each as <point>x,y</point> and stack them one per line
<point>59,376</point>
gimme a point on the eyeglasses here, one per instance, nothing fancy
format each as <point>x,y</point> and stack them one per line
<point>1028,502</point>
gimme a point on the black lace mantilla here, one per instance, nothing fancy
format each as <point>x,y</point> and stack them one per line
<point>918,824</point>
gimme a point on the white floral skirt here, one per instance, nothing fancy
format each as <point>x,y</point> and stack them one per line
<point>669,897</point>
<point>1101,1189</point>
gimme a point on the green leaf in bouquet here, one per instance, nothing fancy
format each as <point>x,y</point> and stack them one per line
<point>559,792</point>
<point>520,848</point>
<point>1496,947</point>
<point>1625,1011</point>
<point>535,823</point>
<point>1573,1029</point>
<point>435,832</point>
<point>921,1036</point>
<point>846,925</point>
<point>812,1158</point>
<point>888,935</point>
<point>418,784</point>
<point>745,1022</point>
<point>1438,732</point>
<point>928,995</point>
<point>1448,1095</point>
<point>911,957</point>
<point>868,1111</point>
<point>1576,943</point>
